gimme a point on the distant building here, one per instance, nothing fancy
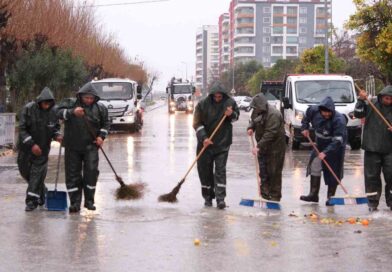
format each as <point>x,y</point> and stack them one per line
<point>207,56</point>
<point>224,42</point>
<point>268,30</point>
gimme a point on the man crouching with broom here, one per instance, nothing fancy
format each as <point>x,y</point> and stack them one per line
<point>84,118</point>
<point>208,113</point>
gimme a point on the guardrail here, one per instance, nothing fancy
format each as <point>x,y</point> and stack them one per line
<point>7,129</point>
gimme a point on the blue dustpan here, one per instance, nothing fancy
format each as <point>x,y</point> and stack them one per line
<point>260,203</point>
<point>56,200</point>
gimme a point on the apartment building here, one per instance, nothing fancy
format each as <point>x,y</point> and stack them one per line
<point>207,56</point>
<point>268,30</point>
<point>224,42</point>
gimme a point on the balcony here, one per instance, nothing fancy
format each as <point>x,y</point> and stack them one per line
<point>246,25</point>
<point>245,15</point>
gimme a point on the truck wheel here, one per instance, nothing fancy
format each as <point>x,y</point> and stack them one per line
<point>355,144</point>
<point>295,145</point>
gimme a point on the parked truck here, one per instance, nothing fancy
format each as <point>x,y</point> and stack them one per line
<point>122,99</point>
<point>302,91</point>
<point>180,96</point>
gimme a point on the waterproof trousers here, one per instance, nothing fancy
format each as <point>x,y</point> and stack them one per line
<point>81,174</point>
<point>33,169</point>
<point>270,168</point>
<point>375,163</point>
<point>213,183</point>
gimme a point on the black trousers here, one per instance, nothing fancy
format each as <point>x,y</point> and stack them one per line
<point>81,174</point>
<point>271,167</point>
<point>213,183</point>
<point>33,169</point>
<point>375,163</point>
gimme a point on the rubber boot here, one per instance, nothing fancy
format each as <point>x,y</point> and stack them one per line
<point>220,204</point>
<point>208,202</point>
<point>314,190</point>
<point>331,192</point>
<point>90,206</point>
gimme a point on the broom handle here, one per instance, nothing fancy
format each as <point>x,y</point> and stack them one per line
<point>328,166</point>
<point>204,147</point>
<point>58,169</point>
<point>376,110</point>
<point>90,129</point>
<point>257,167</point>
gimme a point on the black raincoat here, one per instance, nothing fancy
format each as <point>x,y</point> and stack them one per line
<point>40,127</point>
<point>81,153</point>
<point>268,124</point>
<point>377,143</point>
<point>206,117</point>
<point>331,137</point>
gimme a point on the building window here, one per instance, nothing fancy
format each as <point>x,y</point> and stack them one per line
<point>266,49</point>
<point>266,20</point>
<point>267,10</point>
<point>303,10</point>
<point>277,40</point>
<point>303,20</point>
<point>291,50</point>
<point>319,40</point>
<point>291,30</point>
<point>291,39</point>
<point>266,30</point>
<point>303,30</point>
<point>277,49</point>
<point>266,59</point>
<point>277,30</point>
<point>292,10</point>
<point>278,10</point>
<point>266,39</point>
<point>302,39</point>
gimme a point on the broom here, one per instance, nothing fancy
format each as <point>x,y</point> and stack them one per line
<point>126,191</point>
<point>347,199</point>
<point>376,110</point>
<point>259,203</point>
<point>172,196</point>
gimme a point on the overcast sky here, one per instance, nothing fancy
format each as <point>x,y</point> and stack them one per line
<point>162,35</point>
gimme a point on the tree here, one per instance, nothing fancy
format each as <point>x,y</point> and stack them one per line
<point>373,23</point>
<point>277,72</point>
<point>56,69</point>
<point>242,73</point>
<point>312,61</point>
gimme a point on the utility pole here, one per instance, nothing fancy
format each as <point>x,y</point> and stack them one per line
<point>233,89</point>
<point>186,69</point>
<point>326,45</point>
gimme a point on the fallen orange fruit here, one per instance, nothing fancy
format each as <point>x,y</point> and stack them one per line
<point>352,220</point>
<point>365,222</point>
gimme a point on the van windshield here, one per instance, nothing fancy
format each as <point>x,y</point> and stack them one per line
<point>182,89</point>
<point>316,90</point>
<point>114,90</point>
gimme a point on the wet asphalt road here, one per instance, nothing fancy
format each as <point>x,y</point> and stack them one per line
<point>146,235</point>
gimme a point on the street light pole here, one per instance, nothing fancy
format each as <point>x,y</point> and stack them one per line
<point>326,46</point>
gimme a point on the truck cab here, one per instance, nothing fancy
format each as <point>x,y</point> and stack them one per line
<point>122,99</point>
<point>302,91</point>
<point>273,91</point>
<point>180,96</point>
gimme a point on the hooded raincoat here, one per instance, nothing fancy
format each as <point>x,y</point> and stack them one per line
<point>268,124</point>
<point>206,117</point>
<point>377,143</point>
<point>81,153</point>
<point>331,137</point>
<point>40,127</point>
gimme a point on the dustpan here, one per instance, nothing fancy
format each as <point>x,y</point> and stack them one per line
<point>56,200</point>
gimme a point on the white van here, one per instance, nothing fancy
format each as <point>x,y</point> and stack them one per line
<point>302,91</point>
<point>122,99</point>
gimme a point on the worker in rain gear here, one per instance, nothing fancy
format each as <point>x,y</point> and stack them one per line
<point>38,126</point>
<point>377,143</point>
<point>268,125</point>
<point>86,126</point>
<point>331,139</point>
<point>207,115</point>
